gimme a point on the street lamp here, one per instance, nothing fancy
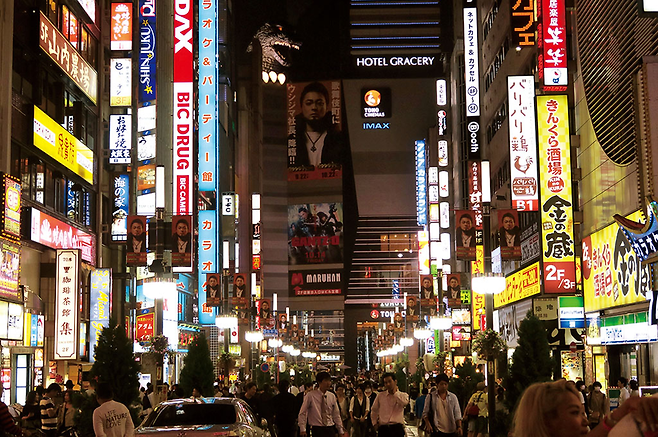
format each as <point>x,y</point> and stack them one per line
<point>422,334</point>
<point>441,322</point>
<point>406,341</point>
<point>226,322</point>
<point>488,283</point>
<point>253,336</point>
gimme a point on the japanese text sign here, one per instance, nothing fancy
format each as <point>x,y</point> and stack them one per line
<point>519,285</point>
<point>120,82</point>
<point>144,325</point>
<point>59,144</point>
<point>523,23</point>
<point>553,56</point>
<point>56,234</point>
<point>471,59</point>
<point>121,205</point>
<point>478,311</point>
<point>208,70</point>
<point>9,273</point>
<point>64,54</point>
<point>147,55</point>
<point>523,142</point>
<point>121,29</point>
<point>612,274</point>
<point>100,296</point>
<point>11,218</point>
<point>421,183</point>
<point>66,311</point>
<point>120,134</point>
<point>556,196</point>
<point>208,244</point>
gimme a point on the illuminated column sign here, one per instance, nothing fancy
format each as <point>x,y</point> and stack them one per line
<point>147,50</point>
<point>101,284</point>
<point>556,197</point>
<point>472,79</point>
<point>183,107</point>
<point>208,244</point>
<point>523,142</point>
<point>421,184</point>
<point>553,51</point>
<point>523,23</point>
<point>207,96</point>
<point>121,200</point>
<point>66,310</point>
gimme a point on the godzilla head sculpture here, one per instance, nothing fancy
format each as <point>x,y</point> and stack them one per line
<point>277,49</point>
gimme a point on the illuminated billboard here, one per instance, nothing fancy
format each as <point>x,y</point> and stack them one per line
<point>121,26</point>
<point>208,244</point>
<point>553,56</point>
<point>523,143</point>
<point>182,242</point>
<point>9,271</point>
<point>519,285</point>
<point>10,226</point>
<point>523,23</point>
<point>556,195</point>
<point>136,241</point>
<point>612,273</point>
<point>147,54</point>
<point>56,234</point>
<point>208,146</point>
<point>471,60</point>
<point>63,147</point>
<point>66,304</point>
<point>510,234</point>
<point>315,283</point>
<point>421,183</point>
<point>376,103</point>
<point>120,82</point>
<point>100,295</point>
<point>315,233</point>
<point>121,202</point>
<point>120,134</point>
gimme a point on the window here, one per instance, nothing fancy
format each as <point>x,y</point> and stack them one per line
<point>52,11</point>
<point>88,47</point>
<point>69,26</point>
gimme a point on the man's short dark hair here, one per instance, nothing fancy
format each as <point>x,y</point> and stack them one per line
<point>284,385</point>
<point>441,377</point>
<point>389,374</point>
<point>597,384</point>
<point>580,384</point>
<point>104,391</point>
<point>184,221</point>
<point>316,87</point>
<point>249,385</point>
<point>510,215</point>
<point>321,376</point>
<point>54,387</point>
<point>623,380</point>
<point>302,209</point>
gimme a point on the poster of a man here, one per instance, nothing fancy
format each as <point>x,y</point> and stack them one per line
<point>315,140</point>
<point>181,241</point>
<point>283,323</point>
<point>426,287</point>
<point>465,235</point>
<point>398,321</point>
<point>213,292</point>
<point>510,234</point>
<point>412,308</point>
<point>239,290</point>
<point>136,242</point>
<point>264,312</point>
<point>454,291</point>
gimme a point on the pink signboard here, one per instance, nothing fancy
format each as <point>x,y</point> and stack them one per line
<point>56,234</point>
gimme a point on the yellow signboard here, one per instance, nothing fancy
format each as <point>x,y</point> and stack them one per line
<point>519,285</point>
<point>610,270</point>
<point>478,311</point>
<point>62,146</point>
<point>558,247</point>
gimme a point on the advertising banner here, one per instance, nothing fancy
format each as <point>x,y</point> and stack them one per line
<point>208,244</point>
<point>571,312</point>
<point>147,55</point>
<point>553,55</point>
<point>523,23</point>
<point>121,202</point>
<point>145,324</point>
<point>453,294</point>
<point>146,177</point>
<point>146,147</point>
<point>612,273</point>
<point>510,234</point>
<point>556,195</point>
<point>213,290</point>
<point>240,297</point>
<point>376,103</point>
<point>120,82</point>
<point>315,282</point>
<point>471,59</point>
<point>315,233</point>
<point>66,304</point>
<point>479,313</point>
<point>520,285</point>
<point>10,226</point>
<point>63,147</point>
<point>510,318</point>
<point>207,95</point>
<point>121,25</point>
<point>56,234</point>
<point>100,302</point>
<point>316,142</point>
<point>136,241</point>
<point>120,134</point>
<point>181,242</point>
<point>466,234</point>
<point>523,142</point>
<point>421,183</point>
<point>9,271</point>
<point>183,107</point>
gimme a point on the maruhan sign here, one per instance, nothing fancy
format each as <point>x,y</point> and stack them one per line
<point>395,61</point>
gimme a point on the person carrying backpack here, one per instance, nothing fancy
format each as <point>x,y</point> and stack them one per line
<point>477,412</point>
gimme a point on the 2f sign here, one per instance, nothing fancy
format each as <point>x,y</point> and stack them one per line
<point>228,207</point>
<point>559,277</point>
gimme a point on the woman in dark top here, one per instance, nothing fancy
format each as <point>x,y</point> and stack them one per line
<point>31,414</point>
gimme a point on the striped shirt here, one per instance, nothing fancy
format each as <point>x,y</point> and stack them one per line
<point>7,422</point>
<point>47,422</point>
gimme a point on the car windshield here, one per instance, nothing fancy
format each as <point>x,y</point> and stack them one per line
<point>193,414</point>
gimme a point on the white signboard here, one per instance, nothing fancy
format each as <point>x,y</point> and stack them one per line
<point>441,92</point>
<point>523,142</point>
<point>444,217</point>
<point>146,147</point>
<point>146,118</point>
<point>471,71</point>
<point>146,204</point>
<point>66,305</point>
<point>120,138</point>
<point>443,153</point>
<point>444,184</point>
<point>120,82</point>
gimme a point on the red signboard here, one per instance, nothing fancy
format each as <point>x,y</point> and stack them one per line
<point>183,106</point>
<point>553,50</point>
<point>56,234</point>
<point>144,326</point>
<point>64,54</point>
<point>121,29</point>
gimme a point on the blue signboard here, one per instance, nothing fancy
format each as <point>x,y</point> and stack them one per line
<point>147,59</point>
<point>99,318</point>
<point>421,184</point>
<point>208,244</point>
<point>34,330</point>
<point>121,205</point>
<point>208,95</point>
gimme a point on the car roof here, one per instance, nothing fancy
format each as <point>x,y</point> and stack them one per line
<point>202,400</point>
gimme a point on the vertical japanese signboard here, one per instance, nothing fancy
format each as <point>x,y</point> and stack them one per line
<point>208,244</point>
<point>101,284</point>
<point>207,95</point>
<point>523,23</point>
<point>121,26</point>
<point>421,183</point>
<point>120,134</point>
<point>121,205</point>
<point>556,197</point>
<point>66,310</point>
<point>120,82</point>
<point>183,106</point>
<point>523,142</point>
<point>553,53</point>
<point>146,50</point>
<point>472,79</point>
<point>10,227</point>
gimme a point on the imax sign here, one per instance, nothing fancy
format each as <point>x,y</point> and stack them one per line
<point>370,126</point>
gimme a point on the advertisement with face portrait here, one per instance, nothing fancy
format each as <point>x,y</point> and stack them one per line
<point>412,309</point>
<point>136,242</point>
<point>240,292</point>
<point>465,234</point>
<point>213,290</point>
<point>181,241</point>
<point>282,324</point>
<point>265,318</point>
<point>510,234</point>
<point>454,291</point>
<point>315,233</point>
<point>427,295</point>
<point>316,142</point>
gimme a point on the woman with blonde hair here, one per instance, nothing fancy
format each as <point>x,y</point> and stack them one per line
<point>553,409</point>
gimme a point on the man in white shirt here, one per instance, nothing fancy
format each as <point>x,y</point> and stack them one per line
<point>624,393</point>
<point>442,413</point>
<point>387,412</point>
<point>320,410</point>
<point>111,419</point>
